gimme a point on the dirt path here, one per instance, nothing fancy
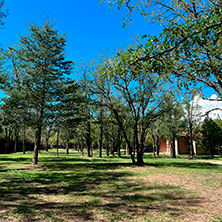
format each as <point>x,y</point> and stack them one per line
<point>218,162</point>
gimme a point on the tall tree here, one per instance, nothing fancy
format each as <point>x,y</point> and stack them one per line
<point>133,94</point>
<point>40,68</point>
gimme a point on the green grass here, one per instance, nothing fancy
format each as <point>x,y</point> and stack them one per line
<point>75,188</point>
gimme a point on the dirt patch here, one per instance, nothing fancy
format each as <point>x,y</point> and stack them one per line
<point>209,204</point>
<point>217,162</point>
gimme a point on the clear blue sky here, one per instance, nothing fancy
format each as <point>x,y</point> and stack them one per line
<point>90,27</point>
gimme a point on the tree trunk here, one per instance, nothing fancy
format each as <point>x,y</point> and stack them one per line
<point>47,139</point>
<point>88,139</point>
<point>6,140</point>
<point>140,147</point>
<point>132,155</point>
<point>67,146</point>
<point>158,145</point>
<point>127,149</point>
<point>67,141</point>
<point>190,135</point>
<point>10,136</point>
<point>140,155</point>
<point>16,141</point>
<point>107,150</point>
<point>38,135</point>
<point>212,151</point>
<point>172,148</point>
<point>82,147</point>
<point>37,145</point>
<point>23,146</point>
<point>101,140</point>
<point>57,142</point>
<point>124,147</point>
<point>46,143</point>
<point>119,142</point>
<point>154,145</point>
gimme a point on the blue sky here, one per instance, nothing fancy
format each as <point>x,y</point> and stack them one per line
<point>90,28</point>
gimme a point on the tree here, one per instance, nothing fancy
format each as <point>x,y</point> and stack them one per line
<point>39,69</point>
<point>218,121</point>
<point>14,113</point>
<point>156,131</point>
<point>3,14</point>
<point>68,108</point>
<point>173,122</point>
<point>211,135</point>
<point>133,94</point>
<point>191,117</point>
<point>190,43</point>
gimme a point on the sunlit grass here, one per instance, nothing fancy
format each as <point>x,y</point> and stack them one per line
<point>75,188</point>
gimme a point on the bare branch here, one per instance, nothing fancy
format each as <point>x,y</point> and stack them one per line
<point>206,114</point>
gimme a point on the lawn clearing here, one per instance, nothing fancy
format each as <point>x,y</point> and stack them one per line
<point>72,188</point>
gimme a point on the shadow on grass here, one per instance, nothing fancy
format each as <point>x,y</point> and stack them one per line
<point>84,189</point>
<point>14,160</point>
<point>190,164</point>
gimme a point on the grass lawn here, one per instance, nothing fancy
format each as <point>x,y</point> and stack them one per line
<point>72,188</point>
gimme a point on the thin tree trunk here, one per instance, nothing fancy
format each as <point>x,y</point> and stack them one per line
<point>101,140</point>
<point>57,143</point>
<point>154,145</point>
<point>139,147</point>
<point>172,149</point>
<point>46,143</point>
<point>10,136</point>
<point>6,140</point>
<point>107,149</point>
<point>37,145</point>
<point>91,150</point>
<point>47,139</point>
<point>38,134</point>
<point>158,145</point>
<point>101,129</point>
<point>132,155</point>
<point>191,143</point>
<point>67,141</point>
<point>119,142</point>
<point>124,145</point>
<point>82,147</point>
<point>88,139</point>
<point>16,141</point>
<point>23,147</point>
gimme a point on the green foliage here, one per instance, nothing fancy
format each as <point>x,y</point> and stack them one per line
<point>190,43</point>
<point>211,135</point>
<point>39,72</point>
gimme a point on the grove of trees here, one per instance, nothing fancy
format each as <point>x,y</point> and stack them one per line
<point>120,102</point>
